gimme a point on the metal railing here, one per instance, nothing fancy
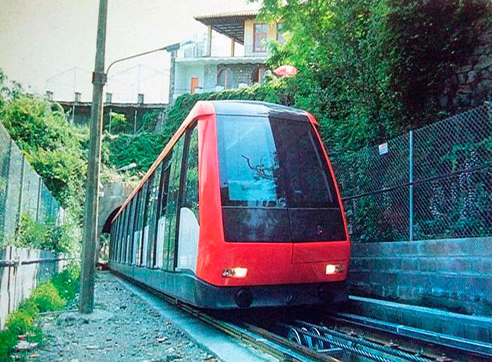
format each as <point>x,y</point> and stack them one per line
<point>434,182</point>
<point>22,191</point>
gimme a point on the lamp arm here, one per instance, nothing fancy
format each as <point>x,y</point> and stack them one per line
<point>134,56</point>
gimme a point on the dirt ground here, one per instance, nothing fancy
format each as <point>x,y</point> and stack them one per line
<point>124,328</point>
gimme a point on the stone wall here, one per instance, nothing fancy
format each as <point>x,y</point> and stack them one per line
<point>451,274</point>
<point>472,84</point>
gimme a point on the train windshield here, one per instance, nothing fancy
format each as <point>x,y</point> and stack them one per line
<point>273,171</point>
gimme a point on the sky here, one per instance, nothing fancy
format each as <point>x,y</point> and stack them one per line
<point>50,44</point>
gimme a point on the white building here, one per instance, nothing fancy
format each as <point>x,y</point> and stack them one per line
<point>195,69</point>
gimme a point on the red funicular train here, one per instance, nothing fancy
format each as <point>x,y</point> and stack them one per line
<point>240,209</point>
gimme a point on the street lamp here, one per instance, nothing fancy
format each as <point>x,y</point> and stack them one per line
<point>99,78</point>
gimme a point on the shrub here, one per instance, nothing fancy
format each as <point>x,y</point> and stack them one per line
<point>19,322</point>
<point>8,340</point>
<point>47,297</point>
<point>46,236</point>
<point>67,282</point>
<point>29,307</point>
<point>32,234</point>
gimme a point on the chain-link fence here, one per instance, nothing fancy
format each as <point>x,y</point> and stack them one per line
<point>22,191</point>
<point>434,182</point>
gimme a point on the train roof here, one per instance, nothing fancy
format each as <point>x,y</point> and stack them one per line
<point>223,107</point>
<point>258,109</point>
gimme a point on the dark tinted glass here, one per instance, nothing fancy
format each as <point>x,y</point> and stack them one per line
<point>275,182</point>
<point>272,163</point>
<point>172,205</point>
<point>190,190</point>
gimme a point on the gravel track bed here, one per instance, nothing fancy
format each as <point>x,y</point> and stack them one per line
<point>124,328</point>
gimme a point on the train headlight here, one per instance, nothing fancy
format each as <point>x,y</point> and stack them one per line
<point>235,273</point>
<point>334,268</point>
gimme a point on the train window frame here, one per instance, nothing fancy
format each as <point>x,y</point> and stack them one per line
<point>186,153</point>
<point>153,204</point>
<point>183,176</point>
<point>145,188</point>
<point>276,188</point>
<point>118,223</point>
<point>125,234</point>
<point>136,198</point>
<point>120,250</point>
<point>170,250</point>
<point>161,208</point>
<point>131,221</point>
<point>141,211</point>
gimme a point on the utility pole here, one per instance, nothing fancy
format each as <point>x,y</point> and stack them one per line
<point>93,168</point>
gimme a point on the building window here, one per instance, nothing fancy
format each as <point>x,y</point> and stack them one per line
<point>260,32</point>
<point>224,78</point>
<point>280,33</point>
<point>258,75</point>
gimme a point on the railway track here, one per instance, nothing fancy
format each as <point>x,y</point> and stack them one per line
<point>340,337</point>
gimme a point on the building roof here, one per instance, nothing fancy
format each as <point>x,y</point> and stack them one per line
<point>229,24</point>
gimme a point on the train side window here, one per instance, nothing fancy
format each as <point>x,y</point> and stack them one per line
<point>172,205</point>
<point>152,211</point>
<point>131,251</point>
<point>122,229</point>
<point>188,216</point>
<point>118,236</point>
<point>131,219</point>
<point>141,210</point>
<point>145,230</point>
<point>136,230</point>
<point>124,234</point>
<point>190,190</point>
<point>161,212</point>
<point>113,240</point>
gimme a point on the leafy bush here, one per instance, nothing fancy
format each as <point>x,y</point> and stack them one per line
<point>52,146</point>
<point>35,235</point>
<point>8,341</point>
<point>31,234</point>
<point>30,307</point>
<point>67,283</point>
<point>19,322</point>
<point>47,297</point>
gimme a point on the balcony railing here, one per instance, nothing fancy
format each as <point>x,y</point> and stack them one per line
<point>198,51</point>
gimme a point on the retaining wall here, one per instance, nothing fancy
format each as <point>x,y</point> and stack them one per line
<point>451,274</point>
<point>21,270</point>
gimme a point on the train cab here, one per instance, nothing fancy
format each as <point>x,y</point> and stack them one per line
<point>241,209</point>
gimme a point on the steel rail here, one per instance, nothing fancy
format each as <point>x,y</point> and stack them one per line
<point>276,346</point>
<point>366,343</point>
<point>345,346</point>
<point>474,347</point>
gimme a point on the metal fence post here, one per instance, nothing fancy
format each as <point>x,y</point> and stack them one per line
<point>410,187</point>
<point>38,206</point>
<point>21,190</point>
<point>3,219</point>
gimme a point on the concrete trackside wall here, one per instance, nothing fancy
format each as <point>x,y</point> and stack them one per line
<point>21,270</point>
<point>451,274</point>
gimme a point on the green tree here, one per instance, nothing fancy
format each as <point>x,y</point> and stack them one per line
<point>50,144</point>
<point>344,74</point>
